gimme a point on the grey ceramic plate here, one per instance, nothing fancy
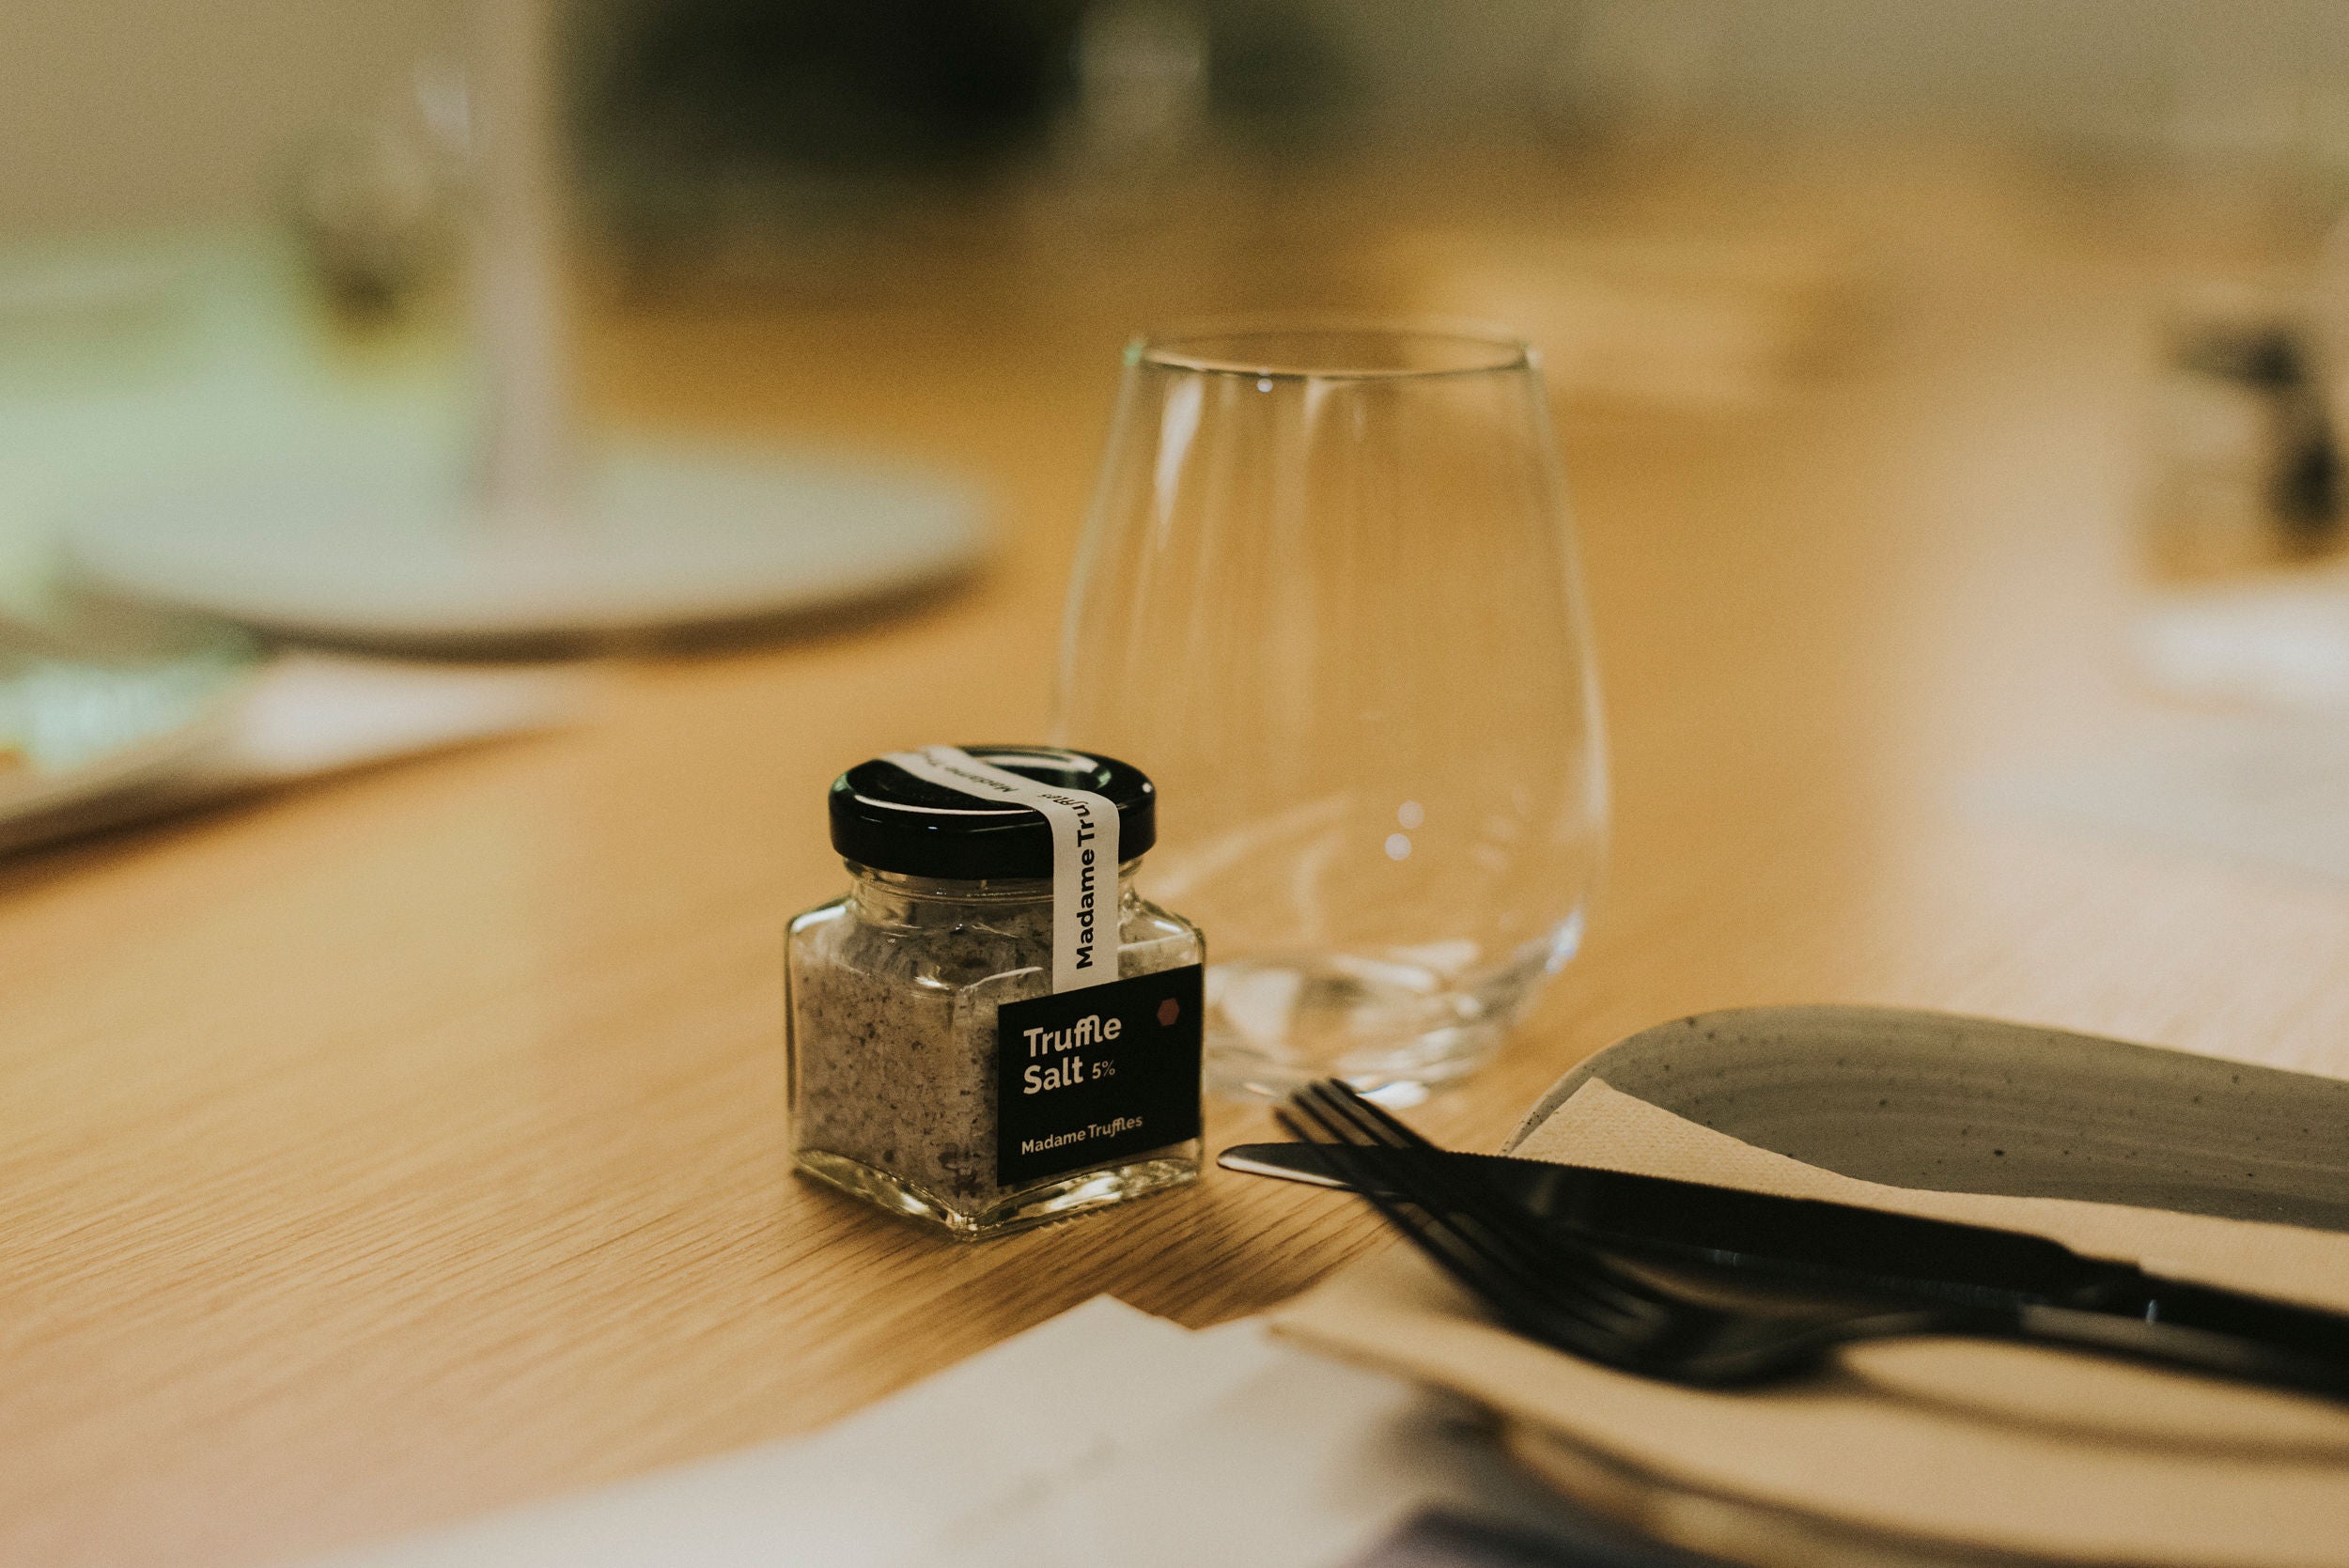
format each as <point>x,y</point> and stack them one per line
<point>1973,1105</point>
<point>1962,1105</point>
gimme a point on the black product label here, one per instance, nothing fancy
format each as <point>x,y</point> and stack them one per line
<point>1090,1075</point>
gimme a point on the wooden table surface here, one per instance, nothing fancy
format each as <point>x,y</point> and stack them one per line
<point>413,1144</point>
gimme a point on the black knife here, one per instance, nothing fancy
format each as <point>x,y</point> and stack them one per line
<point>1810,1241</point>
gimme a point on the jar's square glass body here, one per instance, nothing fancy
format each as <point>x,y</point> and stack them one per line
<point>893,996</point>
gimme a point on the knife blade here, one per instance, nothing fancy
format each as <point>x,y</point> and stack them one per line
<point>1810,1241</point>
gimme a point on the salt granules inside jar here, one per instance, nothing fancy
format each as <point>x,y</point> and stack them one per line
<point>992,1028</point>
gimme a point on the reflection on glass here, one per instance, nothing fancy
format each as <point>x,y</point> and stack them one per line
<point>1329,598</point>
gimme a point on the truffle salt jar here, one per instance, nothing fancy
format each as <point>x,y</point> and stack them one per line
<point>992,1028</point>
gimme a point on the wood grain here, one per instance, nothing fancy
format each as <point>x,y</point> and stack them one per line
<point>413,1144</point>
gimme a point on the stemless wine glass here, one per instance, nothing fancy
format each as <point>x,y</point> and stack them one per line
<point>1328,598</point>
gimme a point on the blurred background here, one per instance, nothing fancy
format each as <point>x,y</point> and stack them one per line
<point>1178,155</point>
<point>236,242</point>
<point>125,112</point>
<point>1153,156</point>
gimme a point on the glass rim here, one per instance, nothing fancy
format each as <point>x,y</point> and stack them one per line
<point>1474,349</point>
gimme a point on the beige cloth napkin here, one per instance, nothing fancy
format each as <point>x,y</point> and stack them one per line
<point>1941,1444</point>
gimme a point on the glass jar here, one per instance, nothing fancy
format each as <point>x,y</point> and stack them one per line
<point>903,1091</point>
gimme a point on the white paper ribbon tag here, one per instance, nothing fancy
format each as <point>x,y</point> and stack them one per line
<point>1084,855</point>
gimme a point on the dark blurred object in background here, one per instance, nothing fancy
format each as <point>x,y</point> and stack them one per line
<point>866,86</point>
<point>768,136</point>
<point>2246,472</point>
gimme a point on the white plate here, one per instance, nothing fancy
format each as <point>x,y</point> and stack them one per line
<point>662,539</point>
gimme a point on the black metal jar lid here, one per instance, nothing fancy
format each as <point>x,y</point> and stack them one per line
<point>885,817</point>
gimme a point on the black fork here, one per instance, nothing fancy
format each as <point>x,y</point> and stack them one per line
<point>1706,1327</point>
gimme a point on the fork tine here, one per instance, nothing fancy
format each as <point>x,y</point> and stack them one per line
<point>1508,1272</point>
<point>1399,1132</point>
<point>1444,1207</point>
<point>1443,1245</point>
<point>1555,1265</point>
<point>1339,1107</point>
<point>1395,1131</point>
<point>1494,1231</point>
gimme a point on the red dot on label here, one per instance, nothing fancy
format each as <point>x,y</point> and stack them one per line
<point>1169,1010</point>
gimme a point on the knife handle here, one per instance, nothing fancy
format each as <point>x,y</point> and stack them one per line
<point>2175,1344</point>
<point>2305,1330</point>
